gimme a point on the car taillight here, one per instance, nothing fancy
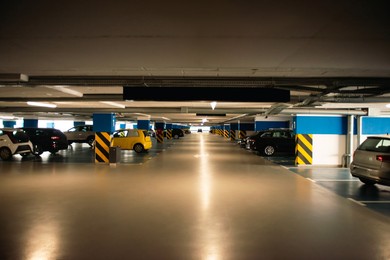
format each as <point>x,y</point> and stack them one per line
<point>383,158</point>
<point>55,138</point>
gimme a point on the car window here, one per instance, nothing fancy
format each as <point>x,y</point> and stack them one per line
<point>375,145</point>
<point>276,134</point>
<point>266,134</point>
<point>121,133</point>
<point>73,129</point>
<point>133,134</point>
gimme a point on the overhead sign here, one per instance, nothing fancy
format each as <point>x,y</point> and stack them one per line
<point>228,94</point>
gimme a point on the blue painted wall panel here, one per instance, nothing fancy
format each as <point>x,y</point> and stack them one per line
<point>375,125</point>
<point>265,125</point>
<point>321,125</point>
<point>247,126</point>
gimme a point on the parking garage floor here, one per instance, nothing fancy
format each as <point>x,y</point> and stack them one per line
<point>200,197</point>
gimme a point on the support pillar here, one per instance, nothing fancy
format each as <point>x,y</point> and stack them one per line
<point>30,122</point>
<point>160,126</point>
<point>104,125</point>
<point>143,123</point>
<point>9,124</point>
<point>349,144</point>
<point>169,131</point>
<point>226,131</point>
<point>234,129</point>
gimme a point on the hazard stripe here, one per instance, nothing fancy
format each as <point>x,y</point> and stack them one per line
<point>304,149</point>
<point>169,134</point>
<point>102,147</point>
<point>304,156</point>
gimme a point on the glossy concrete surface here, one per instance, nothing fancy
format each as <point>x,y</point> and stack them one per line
<point>203,198</point>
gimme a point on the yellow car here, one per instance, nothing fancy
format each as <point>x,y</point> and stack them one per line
<point>132,139</point>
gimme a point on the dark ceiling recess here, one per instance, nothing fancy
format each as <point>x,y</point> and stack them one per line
<point>227,94</point>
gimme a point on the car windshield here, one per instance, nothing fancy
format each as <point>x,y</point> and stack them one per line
<point>376,145</point>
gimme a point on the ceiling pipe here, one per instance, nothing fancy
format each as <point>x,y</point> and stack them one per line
<point>317,111</point>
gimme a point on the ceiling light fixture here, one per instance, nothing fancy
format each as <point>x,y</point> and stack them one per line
<point>66,90</point>
<point>213,104</point>
<point>39,104</point>
<point>114,104</point>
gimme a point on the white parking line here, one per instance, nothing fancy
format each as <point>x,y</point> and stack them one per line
<point>357,202</point>
<point>376,202</point>
<point>329,180</point>
<point>311,180</point>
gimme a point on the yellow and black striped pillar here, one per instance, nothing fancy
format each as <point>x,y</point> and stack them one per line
<point>233,135</point>
<point>160,135</point>
<point>242,134</point>
<point>304,149</point>
<point>169,134</point>
<point>102,147</point>
<point>226,133</point>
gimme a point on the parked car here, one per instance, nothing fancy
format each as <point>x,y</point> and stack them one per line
<point>176,133</point>
<point>14,141</point>
<point>132,139</point>
<point>81,134</point>
<point>46,139</point>
<point>273,141</point>
<point>371,161</point>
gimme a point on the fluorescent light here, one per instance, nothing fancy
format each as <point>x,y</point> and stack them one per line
<point>113,104</point>
<point>213,104</point>
<point>66,90</point>
<point>39,104</point>
<point>388,105</point>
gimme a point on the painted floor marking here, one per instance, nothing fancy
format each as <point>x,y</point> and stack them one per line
<point>330,180</point>
<point>310,179</point>
<point>375,202</point>
<point>357,202</point>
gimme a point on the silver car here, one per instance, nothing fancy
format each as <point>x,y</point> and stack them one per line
<point>81,134</point>
<point>371,161</point>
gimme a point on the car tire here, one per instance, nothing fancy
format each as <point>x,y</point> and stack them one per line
<point>138,148</point>
<point>367,182</point>
<point>269,150</point>
<point>176,136</point>
<point>91,140</point>
<point>37,150</point>
<point>5,153</point>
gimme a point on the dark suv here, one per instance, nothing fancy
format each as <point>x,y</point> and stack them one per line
<point>371,161</point>
<point>46,139</point>
<point>273,141</point>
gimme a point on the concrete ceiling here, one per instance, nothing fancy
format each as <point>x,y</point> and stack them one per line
<point>330,55</point>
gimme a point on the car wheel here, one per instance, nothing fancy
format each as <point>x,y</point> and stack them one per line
<point>5,154</point>
<point>91,141</point>
<point>269,150</point>
<point>37,150</point>
<point>138,148</point>
<point>367,182</point>
<point>176,136</point>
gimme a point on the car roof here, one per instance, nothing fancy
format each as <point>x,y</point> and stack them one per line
<point>379,137</point>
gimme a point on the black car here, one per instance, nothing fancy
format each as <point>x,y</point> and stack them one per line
<point>46,139</point>
<point>273,141</point>
<point>176,133</point>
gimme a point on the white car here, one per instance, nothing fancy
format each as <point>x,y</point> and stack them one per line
<point>14,141</point>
